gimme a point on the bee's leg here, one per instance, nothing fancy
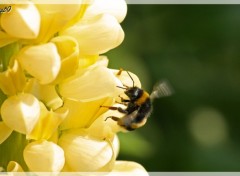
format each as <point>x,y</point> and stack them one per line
<point>123,103</point>
<point>123,100</point>
<point>113,118</point>
<point>116,108</point>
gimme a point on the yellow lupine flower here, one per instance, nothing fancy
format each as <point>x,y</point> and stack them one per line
<point>96,35</point>
<point>116,8</point>
<point>47,124</point>
<point>87,60</point>
<point>54,83</point>
<point>83,98</point>
<point>21,112</point>
<point>27,19</point>
<point>130,167</point>
<point>44,156</point>
<point>89,84</point>
<point>45,93</point>
<point>69,52</point>
<point>83,114</point>
<point>53,20</point>
<point>102,128</point>
<point>12,80</point>
<point>80,149</point>
<point>14,167</point>
<point>41,61</point>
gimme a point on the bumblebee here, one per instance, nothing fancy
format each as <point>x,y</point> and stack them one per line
<point>139,104</point>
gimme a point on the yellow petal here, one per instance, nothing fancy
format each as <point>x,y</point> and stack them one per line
<point>54,137</point>
<point>44,156</point>
<point>86,60</point>
<point>114,143</point>
<point>41,61</point>
<point>45,93</point>
<point>117,8</point>
<point>84,5</point>
<point>18,76</point>
<point>97,35</point>
<point>27,19</point>
<point>21,112</point>
<point>6,83</point>
<point>126,79</point>
<point>69,53</point>
<point>5,132</point>
<point>102,128</point>
<point>12,80</point>
<point>82,114</point>
<point>47,124</point>
<point>6,39</point>
<point>89,84</point>
<point>53,20</point>
<point>14,167</point>
<point>129,167</point>
<point>86,154</point>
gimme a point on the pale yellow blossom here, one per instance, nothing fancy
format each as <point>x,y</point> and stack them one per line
<point>41,61</point>
<point>116,8</point>
<point>44,156</point>
<point>96,35</point>
<point>45,93</point>
<point>27,19</point>
<point>47,124</point>
<point>21,112</point>
<point>55,17</point>
<point>14,167</point>
<point>129,168</point>
<point>83,114</point>
<point>89,84</point>
<point>83,98</point>
<point>87,154</point>
<point>55,87</point>
<point>69,53</point>
<point>12,80</point>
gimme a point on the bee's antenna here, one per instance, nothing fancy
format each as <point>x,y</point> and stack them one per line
<point>130,77</point>
<point>121,87</point>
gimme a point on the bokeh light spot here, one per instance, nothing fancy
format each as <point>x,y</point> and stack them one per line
<point>208,127</point>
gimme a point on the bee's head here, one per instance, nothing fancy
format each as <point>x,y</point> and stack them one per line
<point>134,93</point>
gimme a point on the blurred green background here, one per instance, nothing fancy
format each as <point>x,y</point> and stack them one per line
<point>197,49</point>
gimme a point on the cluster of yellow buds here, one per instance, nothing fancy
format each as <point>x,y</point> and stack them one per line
<point>53,82</point>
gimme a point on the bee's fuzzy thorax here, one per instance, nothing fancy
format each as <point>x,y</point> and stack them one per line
<point>142,99</point>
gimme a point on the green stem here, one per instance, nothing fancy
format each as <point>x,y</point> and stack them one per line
<point>12,150</point>
<point>6,54</point>
<point>3,97</point>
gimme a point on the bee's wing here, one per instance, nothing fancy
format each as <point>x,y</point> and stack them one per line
<point>161,89</point>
